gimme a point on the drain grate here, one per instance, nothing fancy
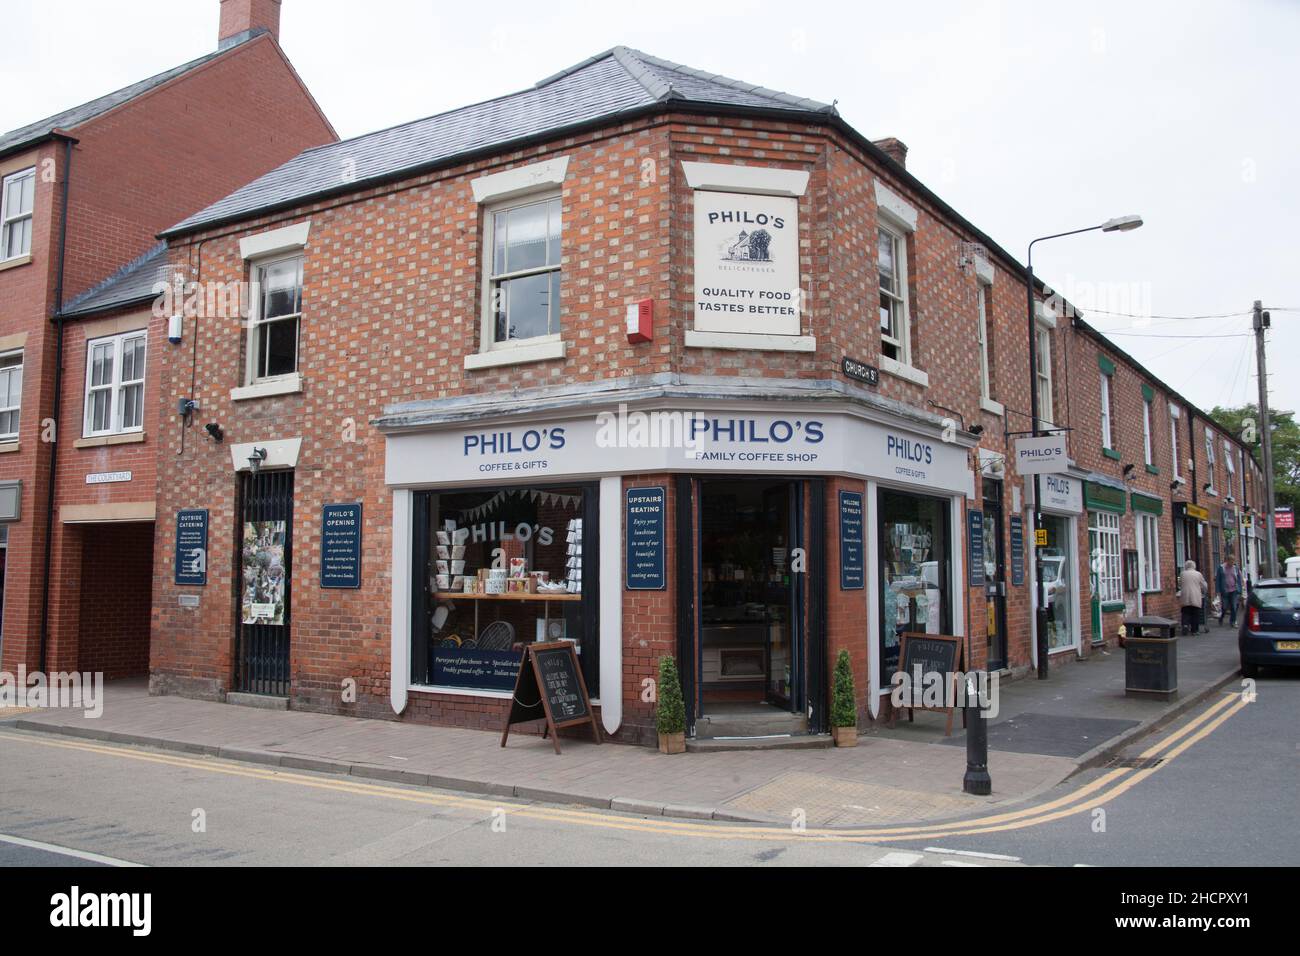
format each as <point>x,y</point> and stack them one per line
<point>1138,763</point>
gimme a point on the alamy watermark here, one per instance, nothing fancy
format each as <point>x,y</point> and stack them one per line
<point>72,690</point>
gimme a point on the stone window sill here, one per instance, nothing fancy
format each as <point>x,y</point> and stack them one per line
<point>285,385</point>
<point>7,447</point>
<point>15,262</point>
<point>99,441</point>
<point>516,355</point>
<point>1110,453</point>
<point>989,405</point>
<point>907,373</point>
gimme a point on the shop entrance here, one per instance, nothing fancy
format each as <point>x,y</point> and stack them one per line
<point>995,570</point>
<point>265,594</point>
<point>750,667</point>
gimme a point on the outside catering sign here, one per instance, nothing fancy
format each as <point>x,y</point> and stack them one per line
<point>746,263</point>
<point>1040,456</point>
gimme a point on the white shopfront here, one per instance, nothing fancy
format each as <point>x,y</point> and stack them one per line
<point>1062,504</point>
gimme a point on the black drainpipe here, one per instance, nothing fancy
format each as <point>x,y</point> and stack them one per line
<point>58,402</point>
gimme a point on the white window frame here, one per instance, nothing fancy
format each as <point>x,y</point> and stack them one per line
<point>1148,449</point>
<point>1210,462</point>
<point>901,340</point>
<point>1174,417</point>
<point>116,386</point>
<point>1107,437</point>
<point>488,317</point>
<point>8,218</point>
<point>984,291</point>
<point>1106,556</point>
<point>1043,342</point>
<point>1148,539</point>
<point>1231,476</point>
<point>256,323</point>
<point>9,437</point>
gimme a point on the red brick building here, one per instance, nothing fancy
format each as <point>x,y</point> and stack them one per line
<point>84,196</point>
<point>641,357</point>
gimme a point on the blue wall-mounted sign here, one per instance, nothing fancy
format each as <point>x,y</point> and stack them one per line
<point>1017,550</point>
<point>852,551</point>
<point>975,548</point>
<point>340,546</point>
<point>646,510</point>
<point>192,546</point>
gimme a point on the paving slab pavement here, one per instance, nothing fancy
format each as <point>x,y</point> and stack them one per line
<point>908,773</point>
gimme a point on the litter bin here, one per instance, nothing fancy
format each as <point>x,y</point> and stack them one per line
<point>1150,658</point>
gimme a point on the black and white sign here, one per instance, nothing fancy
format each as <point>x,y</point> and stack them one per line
<point>975,548</point>
<point>1040,456</point>
<point>192,546</point>
<point>645,539</point>
<point>860,371</point>
<point>746,263</point>
<point>108,477</point>
<point>340,546</point>
<point>1017,527</point>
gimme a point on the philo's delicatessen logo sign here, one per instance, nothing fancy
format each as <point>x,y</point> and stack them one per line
<point>746,263</point>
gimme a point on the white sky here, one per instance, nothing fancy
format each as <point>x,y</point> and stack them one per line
<point>1027,117</point>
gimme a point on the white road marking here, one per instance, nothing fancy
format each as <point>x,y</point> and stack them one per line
<point>899,858</point>
<point>960,863</point>
<point>66,851</point>
<point>974,853</point>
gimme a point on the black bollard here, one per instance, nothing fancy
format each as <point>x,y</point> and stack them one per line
<point>977,780</point>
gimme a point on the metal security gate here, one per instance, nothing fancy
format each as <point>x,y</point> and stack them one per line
<point>263,605</point>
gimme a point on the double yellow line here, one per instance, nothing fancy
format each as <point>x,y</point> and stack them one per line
<point>1100,791</point>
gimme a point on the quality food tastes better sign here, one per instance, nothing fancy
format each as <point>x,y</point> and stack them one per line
<point>746,263</point>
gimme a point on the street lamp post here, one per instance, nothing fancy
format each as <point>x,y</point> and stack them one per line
<point>1119,224</point>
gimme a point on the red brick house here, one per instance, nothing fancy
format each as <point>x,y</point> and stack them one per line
<point>447,432</point>
<point>84,194</point>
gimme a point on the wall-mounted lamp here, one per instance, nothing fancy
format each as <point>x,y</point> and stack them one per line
<point>214,430</point>
<point>256,458</point>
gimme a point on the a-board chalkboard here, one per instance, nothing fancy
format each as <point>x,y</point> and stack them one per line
<point>550,687</point>
<point>933,653</point>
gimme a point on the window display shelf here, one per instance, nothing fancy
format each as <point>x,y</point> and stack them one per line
<point>517,596</point>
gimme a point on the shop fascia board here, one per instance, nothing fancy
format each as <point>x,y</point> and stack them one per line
<point>666,392</point>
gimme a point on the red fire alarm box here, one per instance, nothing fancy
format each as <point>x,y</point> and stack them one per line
<point>641,320</point>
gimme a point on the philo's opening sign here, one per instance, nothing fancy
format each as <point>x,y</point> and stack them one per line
<point>746,263</point>
<point>192,546</point>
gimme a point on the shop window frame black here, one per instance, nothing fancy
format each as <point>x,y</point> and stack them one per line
<point>946,620</point>
<point>422,543</point>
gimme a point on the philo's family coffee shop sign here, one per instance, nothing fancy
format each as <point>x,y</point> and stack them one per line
<point>746,263</point>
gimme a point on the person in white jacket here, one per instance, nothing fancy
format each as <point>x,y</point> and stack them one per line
<point>1191,588</point>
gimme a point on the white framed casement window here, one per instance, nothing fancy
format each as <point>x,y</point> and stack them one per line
<point>11,394</point>
<point>275,322</point>
<point>1174,416</point>
<point>1148,530</point>
<point>1043,340</point>
<point>891,256</point>
<point>1210,463</point>
<point>1228,463</point>
<point>1103,545</point>
<point>1148,452</point>
<point>986,377</point>
<point>115,384</point>
<point>17,194</point>
<point>521,272</point>
<point>1106,436</point>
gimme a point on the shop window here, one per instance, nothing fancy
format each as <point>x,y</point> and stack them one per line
<point>1103,545</point>
<point>115,384</point>
<point>895,335</point>
<point>1149,545</point>
<point>11,394</point>
<point>495,569</point>
<point>523,272</point>
<point>16,196</point>
<point>276,320</point>
<point>1057,584</point>
<point>915,572</point>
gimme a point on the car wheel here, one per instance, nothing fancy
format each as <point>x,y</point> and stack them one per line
<point>1249,670</point>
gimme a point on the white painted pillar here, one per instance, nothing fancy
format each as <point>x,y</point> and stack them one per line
<point>611,603</point>
<point>400,666</point>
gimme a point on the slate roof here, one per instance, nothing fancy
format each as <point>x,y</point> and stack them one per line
<point>602,88</point>
<point>129,285</point>
<point>70,119</point>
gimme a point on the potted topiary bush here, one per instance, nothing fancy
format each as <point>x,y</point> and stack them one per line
<point>670,715</point>
<point>844,712</point>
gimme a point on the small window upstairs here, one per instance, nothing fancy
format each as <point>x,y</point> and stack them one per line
<point>17,193</point>
<point>115,385</point>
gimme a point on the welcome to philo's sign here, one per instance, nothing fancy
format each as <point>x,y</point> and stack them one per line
<point>746,263</point>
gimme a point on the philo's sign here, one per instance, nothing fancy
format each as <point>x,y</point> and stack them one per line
<point>1040,456</point>
<point>1061,493</point>
<point>746,263</point>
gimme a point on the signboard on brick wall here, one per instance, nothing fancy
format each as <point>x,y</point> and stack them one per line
<point>746,263</point>
<point>852,552</point>
<point>340,546</point>
<point>192,546</point>
<point>645,539</point>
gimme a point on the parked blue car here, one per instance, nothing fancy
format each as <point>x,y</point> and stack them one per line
<point>1269,634</point>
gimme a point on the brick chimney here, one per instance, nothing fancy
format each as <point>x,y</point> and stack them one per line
<point>896,149</point>
<point>243,19</point>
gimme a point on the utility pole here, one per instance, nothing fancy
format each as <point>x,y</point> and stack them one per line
<point>1261,322</point>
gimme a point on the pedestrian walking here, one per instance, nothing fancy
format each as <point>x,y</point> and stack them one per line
<point>1191,588</point>
<point>1227,581</point>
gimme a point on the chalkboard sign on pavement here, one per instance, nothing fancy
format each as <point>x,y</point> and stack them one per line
<point>550,687</point>
<point>932,653</point>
